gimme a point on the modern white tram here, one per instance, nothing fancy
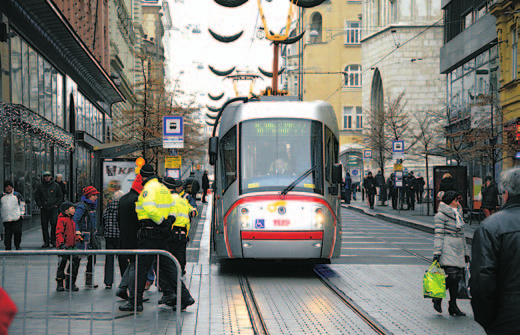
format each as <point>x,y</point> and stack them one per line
<point>277,177</point>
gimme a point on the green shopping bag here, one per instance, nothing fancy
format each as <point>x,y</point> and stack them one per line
<point>434,282</point>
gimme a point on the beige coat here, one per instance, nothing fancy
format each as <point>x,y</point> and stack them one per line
<point>450,241</point>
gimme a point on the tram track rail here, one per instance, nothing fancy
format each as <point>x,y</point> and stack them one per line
<point>257,320</point>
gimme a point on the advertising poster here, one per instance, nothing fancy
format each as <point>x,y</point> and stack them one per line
<point>477,188</point>
<point>118,177</point>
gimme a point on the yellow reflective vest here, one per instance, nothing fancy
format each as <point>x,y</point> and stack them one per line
<point>154,203</point>
<point>182,210</point>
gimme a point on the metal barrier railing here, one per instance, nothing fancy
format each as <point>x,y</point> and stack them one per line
<point>4,255</point>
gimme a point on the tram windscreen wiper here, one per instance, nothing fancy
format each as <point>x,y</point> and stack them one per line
<point>297,181</point>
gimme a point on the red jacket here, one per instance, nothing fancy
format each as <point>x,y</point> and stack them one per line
<point>65,231</point>
<point>7,312</point>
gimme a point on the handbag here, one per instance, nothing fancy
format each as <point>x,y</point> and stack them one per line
<point>434,282</point>
<point>463,289</point>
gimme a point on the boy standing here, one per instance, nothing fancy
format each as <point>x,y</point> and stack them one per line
<point>66,237</point>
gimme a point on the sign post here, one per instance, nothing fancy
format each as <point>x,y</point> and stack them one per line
<point>173,132</point>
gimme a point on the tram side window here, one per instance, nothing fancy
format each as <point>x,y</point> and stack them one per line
<point>228,153</point>
<point>331,153</point>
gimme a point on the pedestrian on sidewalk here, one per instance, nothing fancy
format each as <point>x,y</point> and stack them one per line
<point>183,212</point>
<point>419,188</point>
<point>450,248</point>
<point>128,228</point>
<point>495,270</point>
<point>153,210</point>
<point>66,237</point>
<point>48,197</point>
<point>381,185</point>
<point>112,240</point>
<point>394,191</point>
<point>205,186</point>
<point>410,191</point>
<point>355,189</point>
<point>85,219</point>
<point>63,186</point>
<point>370,183</point>
<point>13,209</point>
<point>348,188</point>
<point>489,196</point>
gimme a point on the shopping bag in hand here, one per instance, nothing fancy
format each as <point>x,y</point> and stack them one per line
<point>463,291</point>
<point>434,282</point>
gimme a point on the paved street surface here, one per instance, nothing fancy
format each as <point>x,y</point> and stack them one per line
<point>380,270</point>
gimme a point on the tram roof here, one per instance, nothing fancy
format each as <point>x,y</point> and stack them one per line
<point>309,110</point>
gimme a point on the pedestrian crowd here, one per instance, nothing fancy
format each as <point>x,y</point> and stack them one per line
<point>155,214</point>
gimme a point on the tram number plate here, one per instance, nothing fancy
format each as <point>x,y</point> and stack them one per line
<point>260,224</point>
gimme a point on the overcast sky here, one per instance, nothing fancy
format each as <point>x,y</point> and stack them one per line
<point>186,50</point>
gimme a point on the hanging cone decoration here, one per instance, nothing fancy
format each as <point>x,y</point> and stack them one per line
<point>292,40</point>
<point>270,74</point>
<point>304,3</point>
<point>216,98</point>
<point>213,109</point>
<point>225,39</point>
<point>231,3</point>
<point>222,73</point>
<point>213,117</point>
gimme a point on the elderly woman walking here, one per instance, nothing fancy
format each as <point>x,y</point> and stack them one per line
<point>450,248</point>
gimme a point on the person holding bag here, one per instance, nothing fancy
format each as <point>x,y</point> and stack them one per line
<point>450,248</point>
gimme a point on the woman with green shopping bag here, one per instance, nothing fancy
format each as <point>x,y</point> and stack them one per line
<point>450,248</point>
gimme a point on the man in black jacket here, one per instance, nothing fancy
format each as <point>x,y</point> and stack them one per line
<point>370,184</point>
<point>128,228</point>
<point>495,269</point>
<point>48,197</point>
<point>205,186</point>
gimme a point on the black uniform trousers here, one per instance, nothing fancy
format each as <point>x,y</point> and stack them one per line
<point>167,271</point>
<point>49,216</point>
<point>177,246</point>
<point>13,228</point>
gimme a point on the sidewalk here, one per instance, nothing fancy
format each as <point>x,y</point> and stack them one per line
<point>416,219</point>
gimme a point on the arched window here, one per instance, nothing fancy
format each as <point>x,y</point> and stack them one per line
<point>353,75</point>
<point>316,25</point>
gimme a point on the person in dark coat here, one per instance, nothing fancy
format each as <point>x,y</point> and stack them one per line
<point>380,180</point>
<point>370,183</point>
<point>348,188</point>
<point>410,190</point>
<point>447,183</point>
<point>393,191</point>
<point>63,186</point>
<point>419,188</point>
<point>128,228</point>
<point>192,187</point>
<point>48,197</point>
<point>489,197</point>
<point>205,186</point>
<point>495,269</point>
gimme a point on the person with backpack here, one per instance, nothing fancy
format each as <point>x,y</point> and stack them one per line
<point>13,209</point>
<point>192,187</point>
<point>85,220</point>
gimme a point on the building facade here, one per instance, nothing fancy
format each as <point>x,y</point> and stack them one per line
<point>400,46</point>
<point>55,93</point>
<point>507,14</point>
<point>469,59</point>
<point>332,71</point>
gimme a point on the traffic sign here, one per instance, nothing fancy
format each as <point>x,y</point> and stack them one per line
<point>367,154</point>
<point>397,146</point>
<point>173,132</point>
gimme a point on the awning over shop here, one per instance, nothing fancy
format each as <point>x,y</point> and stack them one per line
<point>42,24</point>
<point>118,149</point>
<point>25,120</point>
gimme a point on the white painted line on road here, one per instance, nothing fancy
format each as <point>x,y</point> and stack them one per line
<point>205,243</point>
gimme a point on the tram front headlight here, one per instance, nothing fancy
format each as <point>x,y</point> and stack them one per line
<point>318,218</point>
<point>245,218</point>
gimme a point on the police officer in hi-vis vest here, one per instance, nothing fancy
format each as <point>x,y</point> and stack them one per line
<point>183,213</point>
<point>154,208</point>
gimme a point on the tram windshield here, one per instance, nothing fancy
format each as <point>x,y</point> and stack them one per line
<point>275,152</point>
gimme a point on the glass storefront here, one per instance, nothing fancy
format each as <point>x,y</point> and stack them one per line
<point>39,86</point>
